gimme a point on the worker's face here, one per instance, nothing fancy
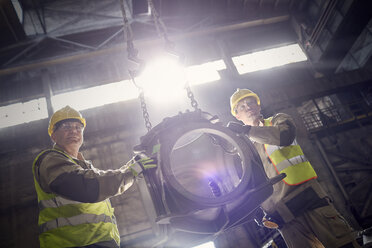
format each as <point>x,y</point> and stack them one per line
<point>69,134</point>
<point>248,111</point>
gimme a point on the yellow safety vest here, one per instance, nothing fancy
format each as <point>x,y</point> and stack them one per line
<point>290,160</point>
<point>67,223</point>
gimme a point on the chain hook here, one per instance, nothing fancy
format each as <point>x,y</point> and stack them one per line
<point>141,96</point>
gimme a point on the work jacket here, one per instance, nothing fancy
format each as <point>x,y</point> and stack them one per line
<point>289,160</point>
<point>74,210</point>
<point>279,133</point>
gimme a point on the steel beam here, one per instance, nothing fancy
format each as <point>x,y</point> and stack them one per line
<point>142,43</point>
<point>332,170</point>
<point>367,203</point>
<point>347,33</point>
<point>355,160</point>
<point>354,169</point>
<point>24,51</point>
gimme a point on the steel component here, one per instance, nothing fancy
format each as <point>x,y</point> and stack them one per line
<point>208,179</point>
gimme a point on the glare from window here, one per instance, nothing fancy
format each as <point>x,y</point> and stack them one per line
<point>161,77</point>
<point>269,58</point>
<point>19,113</point>
<point>96,96</point>
<point>165,75</point>
<point>209,244</point>
<point>205,73</point>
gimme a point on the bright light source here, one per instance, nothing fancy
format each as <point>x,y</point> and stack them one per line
<point>205,245</point>
<point>96,96</point>
<point>269,58</point>
<point>205,73</point>
<point>162,79</point>
<point>19,113</point>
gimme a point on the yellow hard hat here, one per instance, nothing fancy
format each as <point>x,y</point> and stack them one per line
<point>64,114</point>
<point>240,94</point>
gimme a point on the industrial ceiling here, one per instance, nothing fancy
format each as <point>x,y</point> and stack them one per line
<point>51,34</point>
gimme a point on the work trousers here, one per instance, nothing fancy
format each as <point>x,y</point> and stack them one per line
<point>322,227</point>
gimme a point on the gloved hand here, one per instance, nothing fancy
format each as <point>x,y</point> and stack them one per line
<point>238,128</point>
<point>139,163</point>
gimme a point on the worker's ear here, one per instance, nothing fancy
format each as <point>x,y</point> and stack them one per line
<point>238,117</point>
<point>53,137</point>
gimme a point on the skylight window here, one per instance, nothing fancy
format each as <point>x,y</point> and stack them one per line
<point>20,113</point>
<point>96,96</point>
<point>165,75</point>
<point>205,73</point>
<point>209,244</point>
<point>269,58</point>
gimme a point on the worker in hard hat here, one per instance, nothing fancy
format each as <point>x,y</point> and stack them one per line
<point>73,196</point>
<point>298,207</point>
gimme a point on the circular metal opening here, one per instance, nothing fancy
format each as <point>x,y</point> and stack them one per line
<point>205,164</point>
<point>208,166</point>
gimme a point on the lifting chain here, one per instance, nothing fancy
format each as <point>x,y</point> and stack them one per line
<point>141,96</point>
<point>145,114</point>
<point>159,24</point>
<point>190,95</point>
<point>128,34</point>
<point>132,55</point>
<point>162,32</point>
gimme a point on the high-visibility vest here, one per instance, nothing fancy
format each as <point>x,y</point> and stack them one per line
<point>68,223</point>
<point>290,160</point>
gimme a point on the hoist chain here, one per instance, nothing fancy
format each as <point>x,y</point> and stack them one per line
<point>128,34</point>
<point>145,114</point>
<point>190,95</point>
<point>162,32</point>
<point>132,55</point>
<point>159,24</point>
<point>141,96</point>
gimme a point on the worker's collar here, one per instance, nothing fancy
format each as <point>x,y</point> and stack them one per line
<point>261,122</point>
<point>57,147</point>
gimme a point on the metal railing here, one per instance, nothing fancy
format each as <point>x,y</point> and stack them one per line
<point>336,115</point>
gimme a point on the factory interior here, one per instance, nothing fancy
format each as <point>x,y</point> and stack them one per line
<point>143,71</point>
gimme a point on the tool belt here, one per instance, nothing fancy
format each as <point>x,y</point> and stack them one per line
<point>296,203</point>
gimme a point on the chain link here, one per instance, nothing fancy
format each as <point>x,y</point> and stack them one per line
<point>132,55</point>
<point>145,113</point>
<point>190,95</point>
<point>141,96</point>
<point>159,24</point>
<point>128,34</point>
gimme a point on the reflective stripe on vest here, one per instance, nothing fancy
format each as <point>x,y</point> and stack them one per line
<point>290,160</point>
<point>74,221</point>
<point>68,223</point>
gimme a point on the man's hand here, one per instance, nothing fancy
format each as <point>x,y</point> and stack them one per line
<point>238,128</point>
<point>139,163</point>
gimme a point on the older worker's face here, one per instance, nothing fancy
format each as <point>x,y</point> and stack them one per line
<point>248,111</point>
<point>69,134</point>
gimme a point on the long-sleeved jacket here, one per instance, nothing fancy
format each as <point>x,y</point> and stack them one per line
<point>58,174</point>
<point>282,132</point>
<point>73,200</point>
